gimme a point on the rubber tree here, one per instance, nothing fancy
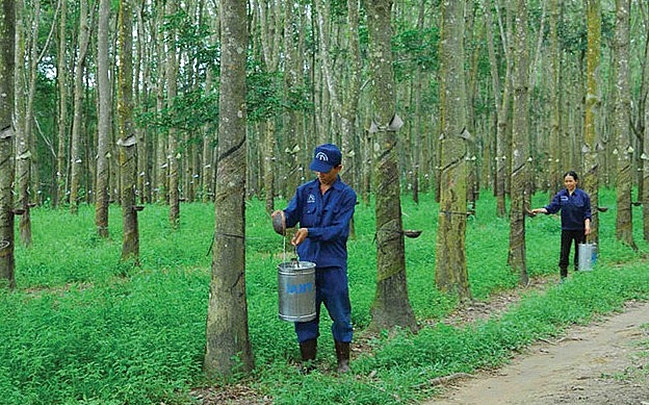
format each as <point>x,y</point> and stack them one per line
<point>127,137</point>
<point>520,146</point>
<point>391,306</point>
<point>227,347</point>
<point>7,27</point>
<point>103,129</point>
<point>76,145</point>
<point>623,150</point>
<point>450,261</point>
<point>593,100</point>
<point>172,145</point>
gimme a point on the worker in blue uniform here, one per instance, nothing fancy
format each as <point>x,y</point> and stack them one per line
<point>324,208</point>
<point>574,204</point>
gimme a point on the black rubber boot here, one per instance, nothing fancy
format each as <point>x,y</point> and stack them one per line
<point>308,350</point>
<point>342,354</point>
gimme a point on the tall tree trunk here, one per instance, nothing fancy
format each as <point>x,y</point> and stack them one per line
<point>76,141</point>
<point>141,100</point>
<point>7,35</point>
<point>292,71</point>
<point>555,100</point>
<point>391,306</point>
<point>172,91</point>
<point>450,263</point>
<point>502,107</point>
<point>520,147</point>
<point>624,219</point>
<point>592,101</point>
<point>645,145</point>
<point>161,165</point>
<point>269,15</point>
<point>228,347</point>
<point>23,155</point>
<point>127,137</point>
<point>103,135</point>
<point>352,96</point>
<point>61,69</point>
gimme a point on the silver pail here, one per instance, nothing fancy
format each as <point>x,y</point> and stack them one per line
<point>587,253</point>
<point>296,289</point>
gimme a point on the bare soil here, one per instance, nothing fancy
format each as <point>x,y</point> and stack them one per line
<point>606,362</point>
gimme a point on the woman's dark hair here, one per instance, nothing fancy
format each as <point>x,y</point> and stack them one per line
<point>572,174</point>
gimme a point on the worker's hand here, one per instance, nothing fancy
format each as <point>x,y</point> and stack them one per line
<point>587,230</point>
<point>300,236</point>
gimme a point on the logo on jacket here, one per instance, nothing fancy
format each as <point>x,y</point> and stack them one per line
<point>310,199</point>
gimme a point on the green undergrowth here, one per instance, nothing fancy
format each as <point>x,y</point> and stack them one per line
<point>84,328</point>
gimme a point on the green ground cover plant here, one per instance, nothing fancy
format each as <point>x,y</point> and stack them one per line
<point>84,328</point>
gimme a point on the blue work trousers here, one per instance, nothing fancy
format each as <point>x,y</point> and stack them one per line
<point>332,290</point>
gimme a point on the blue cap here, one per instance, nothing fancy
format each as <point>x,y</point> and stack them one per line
<point>325,158</point>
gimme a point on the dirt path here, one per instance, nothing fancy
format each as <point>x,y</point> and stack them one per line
<point>601,363</point>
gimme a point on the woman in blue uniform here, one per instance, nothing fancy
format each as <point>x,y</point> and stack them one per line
<point>574,204</point>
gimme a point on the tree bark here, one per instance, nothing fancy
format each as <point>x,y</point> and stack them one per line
<point>228,346</point>
<point>645,146</point>
<point>141,96</point>
<point>391,306</point>
<point>7,35</point>
<point>592,103</point>
<point>103,134</point>
<point>624,219</point>
<point>76,141</point>
<point>61,161</point>
<point>520,147</point>
<point>127,138</point>
<point>23,154</point>
<point>162,164</point>
<point>450,263</point>
<point>555,101</point>
<point>173,152</point>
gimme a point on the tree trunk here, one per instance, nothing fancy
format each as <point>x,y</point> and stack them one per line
<point>645,145</point>
<point>7,35</point>
<point>141,100</point>
<point>556,182</point>
<point>76,141</point>
<point>103,135</point>
<point>520,147</point>
<point>127,137</point>
<point>624,220</point>
<point>228,346</point>
<point>502,127</point>
<point>23,155</point>
<point>391,306</point>
<point>450,263</point>
<point>269,15</point>
<point>161,164</point>
<point>172,91</point>
<point>61,69</point>
<point>292,71</point>
<point>592,101</point>
<point>352,95</point>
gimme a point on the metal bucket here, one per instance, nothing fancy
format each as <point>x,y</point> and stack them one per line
<point>296,289</point>
<point>587,256</point>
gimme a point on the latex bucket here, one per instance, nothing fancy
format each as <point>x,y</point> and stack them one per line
<point>296,289</point>
<point>587,253</point>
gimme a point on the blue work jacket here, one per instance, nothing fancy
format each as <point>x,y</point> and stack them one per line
<point>574,208</point>
<point>327,218</point>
